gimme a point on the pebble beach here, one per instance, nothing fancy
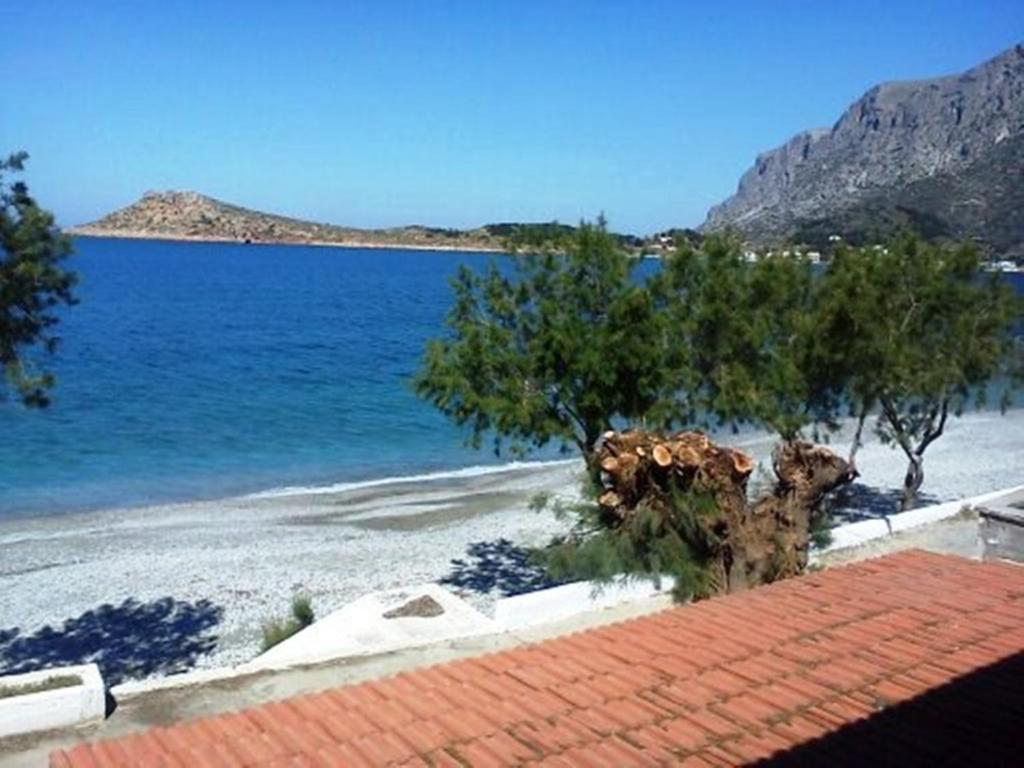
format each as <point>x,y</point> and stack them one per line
<point>222,568</point>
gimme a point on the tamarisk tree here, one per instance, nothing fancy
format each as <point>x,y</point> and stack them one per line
<point>32,284</point>
<point>549,347</point>
<point>743,341</point>
<point>918,335</point>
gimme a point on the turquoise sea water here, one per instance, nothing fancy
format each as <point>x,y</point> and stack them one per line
<point>193,371</point>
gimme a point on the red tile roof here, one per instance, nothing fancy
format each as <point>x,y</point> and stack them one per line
<point>821,662</point>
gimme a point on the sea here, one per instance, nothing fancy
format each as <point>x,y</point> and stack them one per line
<point>192,371</point>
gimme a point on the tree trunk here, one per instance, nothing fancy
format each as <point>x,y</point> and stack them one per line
<point>754,543</point>
<point>912,481</point>
<point>934,427</point>
<point>858,440</point>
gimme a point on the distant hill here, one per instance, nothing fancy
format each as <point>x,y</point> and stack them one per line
<point>944,156</point>
<point>192,216</point>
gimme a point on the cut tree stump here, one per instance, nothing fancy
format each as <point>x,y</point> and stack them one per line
<point>759,541</point>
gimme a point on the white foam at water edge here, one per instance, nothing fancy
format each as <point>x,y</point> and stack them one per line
<point>452,474</point>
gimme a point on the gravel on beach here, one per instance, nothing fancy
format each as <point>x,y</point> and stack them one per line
<point>179,585</point>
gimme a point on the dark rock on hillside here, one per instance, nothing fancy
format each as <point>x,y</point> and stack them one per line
<point>944,156</point>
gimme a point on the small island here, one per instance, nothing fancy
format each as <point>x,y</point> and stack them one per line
<point>194,216</point>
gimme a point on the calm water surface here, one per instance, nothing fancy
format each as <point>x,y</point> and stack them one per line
<point>202,370</point>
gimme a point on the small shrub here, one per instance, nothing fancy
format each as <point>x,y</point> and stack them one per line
<point>539,501</point>
<point>278,630</point>
<point>302,610</point>
<point>820,533</point>
<point>677,541</point>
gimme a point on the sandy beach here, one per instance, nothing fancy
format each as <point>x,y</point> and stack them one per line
<point>201,577</point>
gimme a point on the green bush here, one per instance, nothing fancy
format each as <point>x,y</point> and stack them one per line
<point>302,610</point>
<point>279,630</point>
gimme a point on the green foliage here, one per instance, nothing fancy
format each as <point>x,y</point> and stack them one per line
<point>648,543</point>
<point>529,233</point>
<point>302,609</point>
<point>278,630</point>
<point>821,531</point>
<point>742,339</point>
<point>914,331</point>
<point>32,284</point>
<point>552,352</point>
<point>564,341</point>
<point>539,501</point>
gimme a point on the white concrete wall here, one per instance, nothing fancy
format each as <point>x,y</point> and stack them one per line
<point>59,708</point>
<point>547,605</point>
<point>852,534</point>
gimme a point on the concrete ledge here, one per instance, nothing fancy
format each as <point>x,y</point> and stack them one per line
<point>360,629</point>
<point>57,708</point>
<point>1001,527</point>
<point>131,688</point>
<point>854,534</point>
<point>548,605</point>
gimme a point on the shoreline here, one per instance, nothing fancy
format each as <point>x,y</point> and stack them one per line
<point>226,566</point>
<point>167,238</point>
<point>283,491</point>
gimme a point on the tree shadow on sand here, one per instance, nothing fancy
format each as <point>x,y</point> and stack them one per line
<point>127,641</point>
<point>864,502</point>
<point>500,566</point>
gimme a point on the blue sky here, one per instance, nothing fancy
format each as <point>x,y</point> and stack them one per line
<point>450,113</point>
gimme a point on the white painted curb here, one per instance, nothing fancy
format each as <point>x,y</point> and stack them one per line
<point>854,534</point>
<point>59,708</point>
<point>549,605</point>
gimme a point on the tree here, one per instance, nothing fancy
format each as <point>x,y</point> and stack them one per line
<point>743,340</point>
<point>918,334</point>
<point>551,347</point>
<point>32,284</point>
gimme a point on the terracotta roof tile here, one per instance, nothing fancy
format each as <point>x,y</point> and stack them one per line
<point>836,666</point>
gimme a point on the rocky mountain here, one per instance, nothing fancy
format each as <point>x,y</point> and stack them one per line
<point>944,156</point>
<point>192,216</point>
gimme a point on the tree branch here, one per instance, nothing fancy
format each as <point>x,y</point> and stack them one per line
<point>933,434</point>
<point>858,435</point>
<point>893,417</point>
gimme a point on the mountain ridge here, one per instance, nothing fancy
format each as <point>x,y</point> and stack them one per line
<point>943,155</point>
